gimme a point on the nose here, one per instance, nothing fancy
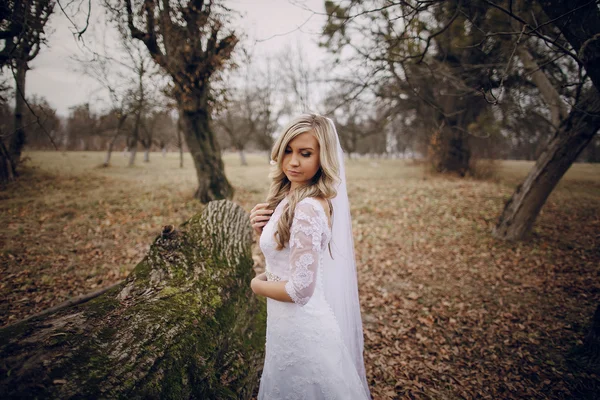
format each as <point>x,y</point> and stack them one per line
<point>294,161</point>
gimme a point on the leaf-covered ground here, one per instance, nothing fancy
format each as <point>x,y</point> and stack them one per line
<point>449,312</point>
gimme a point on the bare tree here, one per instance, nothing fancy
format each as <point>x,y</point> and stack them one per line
<point>190,41</point>
<point>22,24</point>
<point>270,98</point>
<point>250,116</point>
<point>113,71</point>
<point>298,78</point>
<point>42,123</point>
<point>82,126</point>
<point>139,98</point>
<point>101,68</point>
<point>116,119</point>
<point>159,129</point>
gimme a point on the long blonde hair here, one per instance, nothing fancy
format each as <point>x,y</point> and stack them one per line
<point>323,183</point>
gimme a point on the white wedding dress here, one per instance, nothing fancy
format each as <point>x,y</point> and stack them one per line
<point>305,356</point>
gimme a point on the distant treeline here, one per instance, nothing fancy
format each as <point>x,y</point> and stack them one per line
<point>83,129</point>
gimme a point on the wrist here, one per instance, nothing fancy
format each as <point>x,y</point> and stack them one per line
<point>255,285</point>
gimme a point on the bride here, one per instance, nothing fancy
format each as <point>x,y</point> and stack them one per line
<point>314,346</point>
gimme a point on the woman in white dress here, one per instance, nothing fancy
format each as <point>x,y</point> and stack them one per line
<point>314,335</point>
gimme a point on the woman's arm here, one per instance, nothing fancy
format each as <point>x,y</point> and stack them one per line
<point>273,290</point>
<point>305,246</point>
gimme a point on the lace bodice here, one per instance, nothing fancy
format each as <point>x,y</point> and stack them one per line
<point>300,261</point>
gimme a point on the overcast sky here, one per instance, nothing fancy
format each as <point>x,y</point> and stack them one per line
<point>270,26</point>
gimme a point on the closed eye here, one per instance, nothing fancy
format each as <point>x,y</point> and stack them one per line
<point>305,155</point>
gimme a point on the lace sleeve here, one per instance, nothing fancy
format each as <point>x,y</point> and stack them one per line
<point>305,249</point>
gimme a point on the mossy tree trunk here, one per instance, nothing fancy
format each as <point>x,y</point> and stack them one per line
<point>184,324</point>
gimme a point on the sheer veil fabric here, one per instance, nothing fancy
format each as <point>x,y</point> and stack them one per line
<point>339,273</point>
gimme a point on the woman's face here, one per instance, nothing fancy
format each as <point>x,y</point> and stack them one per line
<point>301,159</point>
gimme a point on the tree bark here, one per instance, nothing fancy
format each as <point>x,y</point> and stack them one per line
<point>106,162</point>
<point>243,158</point>
<point>135,134</point>
<point>180,139</point>
<point>120,123</point>
<point>570,139</point>
<point>449,150</point>
<point>455,155</point>
<point>547,90</point>
<point>132,154</point>
<point>200,139</point>
<point>8,171</point>
<point>17,139</point>
<point>184,324</point>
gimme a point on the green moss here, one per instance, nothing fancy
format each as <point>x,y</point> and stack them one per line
<point>168,291</point>
<point>102,305</point>
<point>107,333</point>
<point>218,323</point>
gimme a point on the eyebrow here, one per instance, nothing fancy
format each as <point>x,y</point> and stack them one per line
<point>305,148</point>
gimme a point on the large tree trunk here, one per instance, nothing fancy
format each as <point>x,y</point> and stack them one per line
<point>453,151</point>
<point>184,324</point>
<point>570,139</point>
<point>17,139</point>
<point>450,146</point>
<point>449,150</point>
<point>200,139</point>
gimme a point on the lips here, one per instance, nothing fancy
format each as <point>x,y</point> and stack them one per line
<point>294,172</point>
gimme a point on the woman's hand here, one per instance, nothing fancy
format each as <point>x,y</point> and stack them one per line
<point>259,216</point>
<point>262,277</point>
<point>256,282</point>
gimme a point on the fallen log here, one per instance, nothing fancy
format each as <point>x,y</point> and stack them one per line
<point>184,324</point>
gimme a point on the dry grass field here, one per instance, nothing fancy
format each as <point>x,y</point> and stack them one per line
<point>449,312</point>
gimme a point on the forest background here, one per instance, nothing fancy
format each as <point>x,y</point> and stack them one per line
<point>478,257</point>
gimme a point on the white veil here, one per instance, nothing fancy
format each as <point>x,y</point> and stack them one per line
<point>339,280</point>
